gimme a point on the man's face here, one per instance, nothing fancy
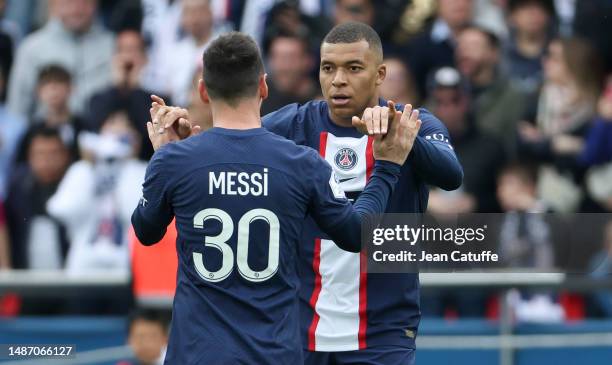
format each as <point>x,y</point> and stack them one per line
<point>147,339</point>
<point>530,18</point>
<point>450,105</point>
<point>456,13</point>
<point>76,15</point>
<point>350,74</point>
<point>48,158</point>
<point>289,62</point>
<point>54,94</point>
<point>474,53</point>
<point>130,49</point>
<point>196,17</point>
<point>354,10</point>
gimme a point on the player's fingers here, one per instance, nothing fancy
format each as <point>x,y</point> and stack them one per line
<point>158,100</point>
<point>392,111</point>
<point>150,130</point>
<point>196,130</point>
<point>367,118</point>
<point>157,118</point>
<point>173,116</point>
<point>414,116</point>
<point>384,119</point>
<point>376,117</point>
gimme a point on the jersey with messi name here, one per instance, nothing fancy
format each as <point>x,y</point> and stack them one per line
<point>342,307</point>
<point>240,198</point>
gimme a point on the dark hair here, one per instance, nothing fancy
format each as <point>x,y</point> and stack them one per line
<point>527,172</point>
<point>148,315</point>
<point>284,34</point>
<point>54,73</point>
<point>232,67</point>
<point>491,37</point>
<point>351,32</point>
<point>547,5</point>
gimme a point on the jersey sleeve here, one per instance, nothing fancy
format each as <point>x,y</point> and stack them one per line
<point>333,212</point>
<point>432,155</point>
<point>282,122</point>
<point>154,211</point>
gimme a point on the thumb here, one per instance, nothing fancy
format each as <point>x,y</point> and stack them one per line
<point>356,121</point>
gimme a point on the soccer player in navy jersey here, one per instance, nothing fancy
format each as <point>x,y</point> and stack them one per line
<point>347,315</point>
<point>240,195</point>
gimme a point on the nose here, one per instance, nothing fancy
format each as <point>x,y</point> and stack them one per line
<point>339,78</point>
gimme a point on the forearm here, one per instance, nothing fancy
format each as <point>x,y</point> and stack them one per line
<point>373,200</point>
<point>436,164</point>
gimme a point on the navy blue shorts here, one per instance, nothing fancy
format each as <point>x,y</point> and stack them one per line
<point>380,355</point>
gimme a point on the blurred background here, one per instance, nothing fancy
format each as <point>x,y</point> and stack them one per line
<point>523,86</point>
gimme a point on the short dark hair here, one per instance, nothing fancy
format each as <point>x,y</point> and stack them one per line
<point>547,5</point>
<point>351,32</point>
<point>232,67</point>
<point>527,172</point>
<point>491,37</point>
<point>148,315</point>
<point>54,73</point>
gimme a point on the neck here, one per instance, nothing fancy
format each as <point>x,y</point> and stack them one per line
<point>485,77</point>
<point>245,115</point>
<point>347,121</point>
<point>58,116</point>
<point>530,44</point>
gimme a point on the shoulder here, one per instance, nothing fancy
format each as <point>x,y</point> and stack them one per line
<point>293,112</point>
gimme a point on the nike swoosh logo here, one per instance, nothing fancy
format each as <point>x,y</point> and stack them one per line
<point>347,179</point>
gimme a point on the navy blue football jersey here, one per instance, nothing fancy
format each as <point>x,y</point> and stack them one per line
<point>240,198</point>
<point>342,307</point>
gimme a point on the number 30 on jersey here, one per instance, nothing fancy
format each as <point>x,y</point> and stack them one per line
<point>219,242</point>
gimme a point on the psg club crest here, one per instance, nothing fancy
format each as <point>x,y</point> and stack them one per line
<point>345,159</point>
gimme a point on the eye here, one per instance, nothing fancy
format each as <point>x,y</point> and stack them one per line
<point>355,68</point>
<point>326,68</point>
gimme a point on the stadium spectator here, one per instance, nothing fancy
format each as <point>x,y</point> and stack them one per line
<point>147,337</point>
<point>597,154</point>
<point>566,103</point>
<point>601,266</point>
<point>53,90</point>
<point>71,39</point>
<point>96,196</point>
<point>531,23</point>
<point>128,90</point>
<point>524,240</point>
<point>11,131</point>
<point>354,10</point>
<point>38,241</point>
<point>399,84</point>
<point>182,59</point>
<point>5,246</point>
<point>480,154</point>
<point>496,104</point>
<point>435,47</point>
<point>290,65</point>
<point>285,18</point>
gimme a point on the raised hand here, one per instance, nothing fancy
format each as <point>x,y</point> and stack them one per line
<point>376,120</point>
<point>397,143</point>
<point>168,123</point>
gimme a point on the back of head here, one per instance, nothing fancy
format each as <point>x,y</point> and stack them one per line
<point>232,67</point>
<point>351,32</point>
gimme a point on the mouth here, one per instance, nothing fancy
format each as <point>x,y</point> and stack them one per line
<point>340,99</point>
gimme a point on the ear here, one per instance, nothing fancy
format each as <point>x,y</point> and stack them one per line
<point>381,74</point>
<point>263,87</point>
<point>203,92</point>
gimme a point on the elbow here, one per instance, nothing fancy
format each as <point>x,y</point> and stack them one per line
<point>453,179</point>
<point>146,237</point>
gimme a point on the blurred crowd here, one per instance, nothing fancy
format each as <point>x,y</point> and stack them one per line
<point>523,86</point>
